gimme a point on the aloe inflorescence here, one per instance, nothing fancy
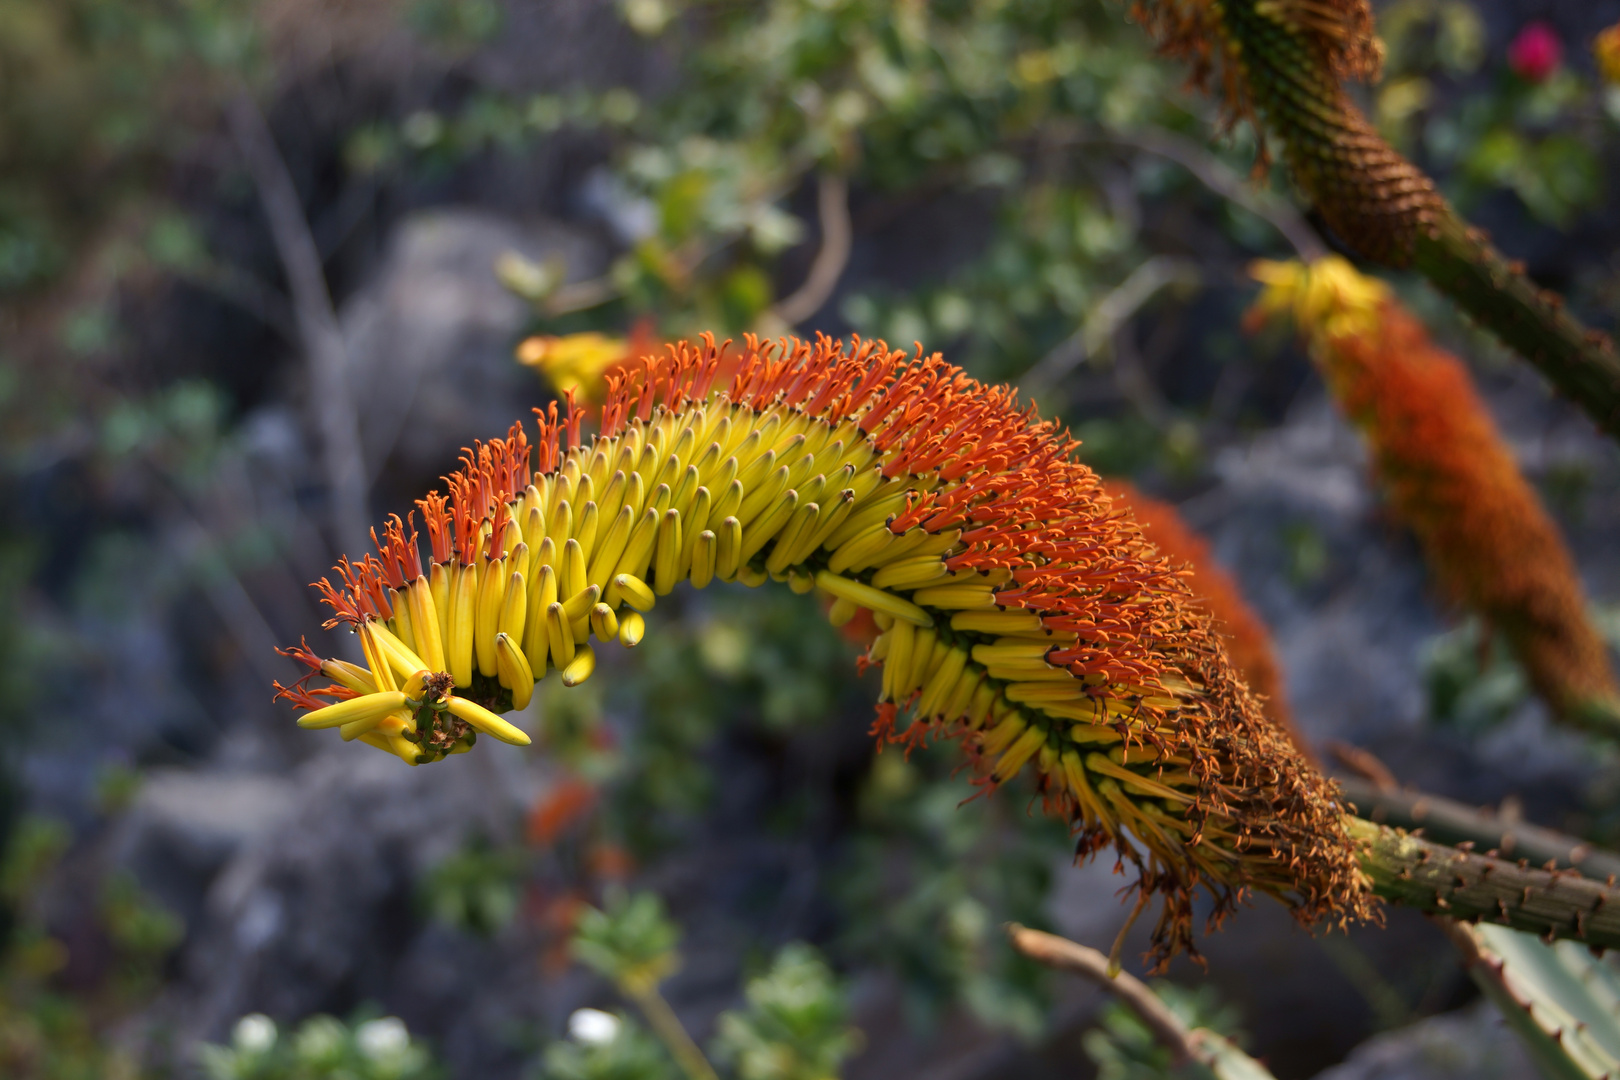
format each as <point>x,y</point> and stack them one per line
<point>1020,612</point>
<point>1451,478</point>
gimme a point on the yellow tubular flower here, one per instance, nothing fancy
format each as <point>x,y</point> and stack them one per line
<point>575,362</point>
<point>1019,613</point>
<point>1606,50</point>
<point>1451,478</point>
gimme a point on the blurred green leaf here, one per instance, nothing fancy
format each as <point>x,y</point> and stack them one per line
<point>630,941</point>
<point>795,1026</point>
<point>456,24</point>
<point>322,1048</point>
<point>927,885</point>
<point>476,889</point>
<point>628,1053</point>
<point>1473,683</point>
<point>174,243</point>
<point>32,849</point>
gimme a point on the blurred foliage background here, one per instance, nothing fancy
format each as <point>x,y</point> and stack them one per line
<point>1018,183</point>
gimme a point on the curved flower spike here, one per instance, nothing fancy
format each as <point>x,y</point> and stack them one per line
<point>1019,612</point>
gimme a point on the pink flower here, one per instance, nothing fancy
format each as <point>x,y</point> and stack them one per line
<point>1536,53</point>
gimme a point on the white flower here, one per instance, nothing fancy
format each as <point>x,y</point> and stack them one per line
<point>381,1039</point>
<point>255,1033</point>
<point>593,1027</point>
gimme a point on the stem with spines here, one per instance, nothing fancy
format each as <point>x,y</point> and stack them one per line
<point>1461,885</point>
<point>1381,206</point>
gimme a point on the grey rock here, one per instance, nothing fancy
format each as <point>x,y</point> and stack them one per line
<point>430,338</point>
<point>316,912</point>
<point>184,826</point>
<point>1352,629</point>
<point>1470,1044</point>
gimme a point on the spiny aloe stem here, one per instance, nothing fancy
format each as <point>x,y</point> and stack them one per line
<point>1284,62</point>
<point>1533,322</point>
<point>1461,885</point>
<point>1449,822</point>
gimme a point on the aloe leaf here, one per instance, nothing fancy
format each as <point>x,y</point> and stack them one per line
<point>1222,1057</point>
<point>1563,1002</point>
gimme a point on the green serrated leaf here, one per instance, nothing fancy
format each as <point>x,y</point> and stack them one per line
<point>1222,1057</point>
<point>1560,999</point>
<point>795,1025</point>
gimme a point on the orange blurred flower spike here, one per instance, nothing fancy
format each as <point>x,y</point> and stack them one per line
<point>1452,479</point>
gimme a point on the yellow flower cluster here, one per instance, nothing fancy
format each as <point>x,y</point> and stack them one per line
<point>1606,50</point>
<point>574,363</point>
<point>1326,299</point>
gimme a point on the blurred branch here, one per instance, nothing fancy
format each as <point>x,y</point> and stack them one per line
<point>673,1033</point>
<point>223,590</point>
<point>236,610</point>
<point>828,266</point>
<point>1448,822</point>
<point>1133,382</point>
<point>832,206</point>
<point>1365,764</point>
<point>580,296</point>
<point>1185,1044</point>
<point>1224,181</point>
<point>316,319</point>
<point>1066,955</point>
<point>1110,313</point>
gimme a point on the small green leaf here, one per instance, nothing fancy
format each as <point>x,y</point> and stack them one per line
<point>621,1050</point>
<point>795,1026</point>
<point>631,942</point>
<point>476,889</point>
